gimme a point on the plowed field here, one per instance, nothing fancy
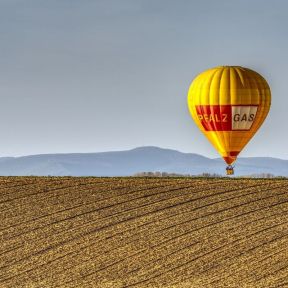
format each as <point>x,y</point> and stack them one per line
<point>143,232</point>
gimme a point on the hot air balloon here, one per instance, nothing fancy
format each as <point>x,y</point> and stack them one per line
<point>229,104</point>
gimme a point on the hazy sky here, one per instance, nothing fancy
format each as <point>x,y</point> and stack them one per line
<point>88,76</point>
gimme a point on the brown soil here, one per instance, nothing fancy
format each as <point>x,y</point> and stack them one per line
<point>143,232</point>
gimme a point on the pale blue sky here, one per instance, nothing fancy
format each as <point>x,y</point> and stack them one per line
<point>88,76</point>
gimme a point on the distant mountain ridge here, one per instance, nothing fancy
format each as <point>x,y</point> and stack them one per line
<point>130,162</point>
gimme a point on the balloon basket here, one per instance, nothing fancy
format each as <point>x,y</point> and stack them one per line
<point>229,171</point>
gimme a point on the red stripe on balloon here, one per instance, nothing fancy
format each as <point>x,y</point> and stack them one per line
<point>215,117</point>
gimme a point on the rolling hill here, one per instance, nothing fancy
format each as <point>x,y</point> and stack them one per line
<point>126,163</point>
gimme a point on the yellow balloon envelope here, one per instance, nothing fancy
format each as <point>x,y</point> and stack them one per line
<point>229,104</point>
